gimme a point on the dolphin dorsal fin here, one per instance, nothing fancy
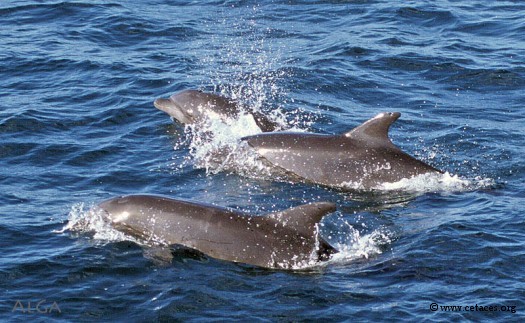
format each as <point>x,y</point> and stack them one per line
<point>303,218</point>
<point>374,129</point>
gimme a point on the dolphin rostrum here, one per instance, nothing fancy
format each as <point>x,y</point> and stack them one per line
<point>286,240</point>
<point>192,106</point>
<point>363,157</point>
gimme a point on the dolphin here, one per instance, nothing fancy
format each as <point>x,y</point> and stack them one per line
<point>192,106</point>
<point>284,240</point>
<point>363,157</point>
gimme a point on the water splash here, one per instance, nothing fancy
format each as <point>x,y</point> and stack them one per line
<point>92,220</point>
<point>353,244</point>
<point>246,64</point>
<point>215,145</point>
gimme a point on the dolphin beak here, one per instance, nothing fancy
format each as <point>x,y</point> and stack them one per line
<point>115,217</point>
<point>173,109</point>
<point>163,104</point>
<point>104,208</point>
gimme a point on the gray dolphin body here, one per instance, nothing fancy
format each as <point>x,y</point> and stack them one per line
<point>191,106</point>
<point>282,240</point>
<point>363,157</point>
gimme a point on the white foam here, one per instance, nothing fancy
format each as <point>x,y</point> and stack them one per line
<point>432,182</point>
<point>362,246</point>
<point>215,145</point>
<point>352,244</point>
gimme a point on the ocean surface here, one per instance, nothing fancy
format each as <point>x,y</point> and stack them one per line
<point>78,126</point>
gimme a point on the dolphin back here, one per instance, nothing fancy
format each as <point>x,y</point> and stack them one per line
<point>363,157</point>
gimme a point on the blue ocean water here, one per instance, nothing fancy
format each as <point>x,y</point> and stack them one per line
<point>77,126</point>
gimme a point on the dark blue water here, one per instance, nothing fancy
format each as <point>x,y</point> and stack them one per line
<point>77,125</point>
